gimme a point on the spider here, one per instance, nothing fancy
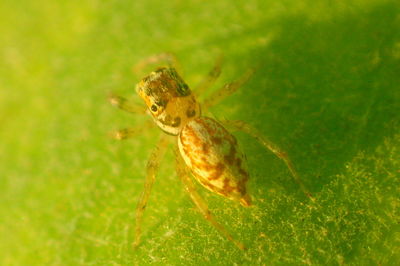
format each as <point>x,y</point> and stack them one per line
<point>204,148</point>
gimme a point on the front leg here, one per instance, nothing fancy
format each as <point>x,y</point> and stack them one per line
<point>211,77</point>
<point>126,105</point>
<point>227,89</point>
<point>128,133</point>
<point>242,126</point>
<point>168,59</point>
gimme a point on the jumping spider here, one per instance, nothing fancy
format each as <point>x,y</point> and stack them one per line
<point>204,148</point>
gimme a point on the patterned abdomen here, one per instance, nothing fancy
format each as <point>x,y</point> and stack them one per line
<point>212,154</point>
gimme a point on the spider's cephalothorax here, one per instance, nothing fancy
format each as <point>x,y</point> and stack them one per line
<point>169,99</point>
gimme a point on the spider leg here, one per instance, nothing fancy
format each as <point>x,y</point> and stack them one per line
<point>167,58</point>
<point>198,200</point>
<point>126,105</point>
<point>242,126</point>
<point>152,168</point>
<point>211,77</point>
<point>227,89</point>
<point>128,133</point>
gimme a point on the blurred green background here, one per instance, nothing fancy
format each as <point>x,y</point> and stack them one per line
<point>327,92</point>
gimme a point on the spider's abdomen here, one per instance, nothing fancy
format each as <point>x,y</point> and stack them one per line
<point>212,154</point>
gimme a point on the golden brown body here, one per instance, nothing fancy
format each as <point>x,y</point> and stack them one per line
<point>213,156</point>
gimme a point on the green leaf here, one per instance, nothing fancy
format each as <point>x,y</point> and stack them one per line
<point>326,91</point>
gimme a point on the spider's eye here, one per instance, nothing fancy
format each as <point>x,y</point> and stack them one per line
<point>153,108</point>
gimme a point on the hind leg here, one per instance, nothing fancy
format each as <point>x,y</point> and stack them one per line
<point>242,126</point>
<point>198,200</point>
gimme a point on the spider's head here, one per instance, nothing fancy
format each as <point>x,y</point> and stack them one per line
<point>169,99</point>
